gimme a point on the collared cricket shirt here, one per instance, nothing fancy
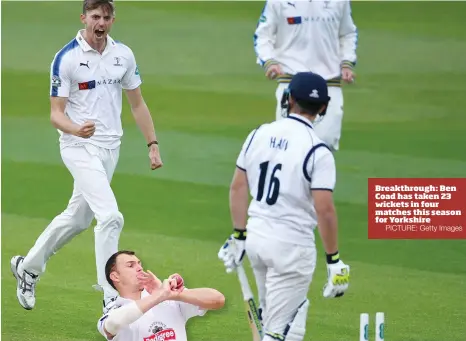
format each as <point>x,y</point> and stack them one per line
<point>93,84</point>
<point>284,161</point>
<point>317,36</point>
<point>164,322</point>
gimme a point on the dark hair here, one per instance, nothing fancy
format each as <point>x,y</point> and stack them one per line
<point>310,108</point>
<point>110,265</point>
<point>90,5</point>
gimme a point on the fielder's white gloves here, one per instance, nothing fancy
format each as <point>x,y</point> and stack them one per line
<point>233,250</point>
<point>338,274</point>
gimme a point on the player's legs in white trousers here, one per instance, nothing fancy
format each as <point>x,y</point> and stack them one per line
<point>327,128</point>
<point>283,274</point>
<point>92,169</point>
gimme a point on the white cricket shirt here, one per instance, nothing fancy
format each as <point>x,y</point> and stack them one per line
<point>285,160</point>
<point>93,84</point>
<point>164,322</point>
<point>317,36</point>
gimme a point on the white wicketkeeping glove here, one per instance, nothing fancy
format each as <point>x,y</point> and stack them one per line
<point>338,274</point>
<point>233,250</point>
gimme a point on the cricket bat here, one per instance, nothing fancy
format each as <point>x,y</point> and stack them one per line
<point>250,304</point>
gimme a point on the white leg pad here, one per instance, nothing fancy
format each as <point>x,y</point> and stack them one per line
<point>297,328</point>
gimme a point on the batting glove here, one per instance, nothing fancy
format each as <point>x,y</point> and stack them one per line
<point>338,274</point>
<point>233,250</point>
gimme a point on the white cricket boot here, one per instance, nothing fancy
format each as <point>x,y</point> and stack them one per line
<point>26,283</point>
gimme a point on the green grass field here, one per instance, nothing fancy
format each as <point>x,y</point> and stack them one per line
<point>403,118</point>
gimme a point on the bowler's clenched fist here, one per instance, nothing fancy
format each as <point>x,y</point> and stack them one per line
<point>86,130</point>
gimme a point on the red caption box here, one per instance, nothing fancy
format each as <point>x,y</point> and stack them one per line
<point>406,208</point>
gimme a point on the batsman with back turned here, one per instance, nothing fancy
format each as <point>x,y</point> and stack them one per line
<point>290,174</point>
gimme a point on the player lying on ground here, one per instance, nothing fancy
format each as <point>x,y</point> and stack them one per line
<point>290,173</point>
<point>147,308</point>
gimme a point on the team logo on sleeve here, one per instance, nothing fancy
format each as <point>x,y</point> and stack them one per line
<point>56,81</point>
<point>160,332</point>
<point>136,72</point>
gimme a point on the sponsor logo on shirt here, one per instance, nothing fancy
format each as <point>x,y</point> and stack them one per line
<point>326,18</point>
<point>86,85</point>
<point>117,61</point>
<point>109,81</point>
<point>160,332</point>
<point>92,84</point>
<point>300,20</point>
<point>163,335</point>
<point>294,20</point>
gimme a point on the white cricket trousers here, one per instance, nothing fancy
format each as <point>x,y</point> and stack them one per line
<point>92,169</point>
<point>327,128</point>
<point>283,273</point>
